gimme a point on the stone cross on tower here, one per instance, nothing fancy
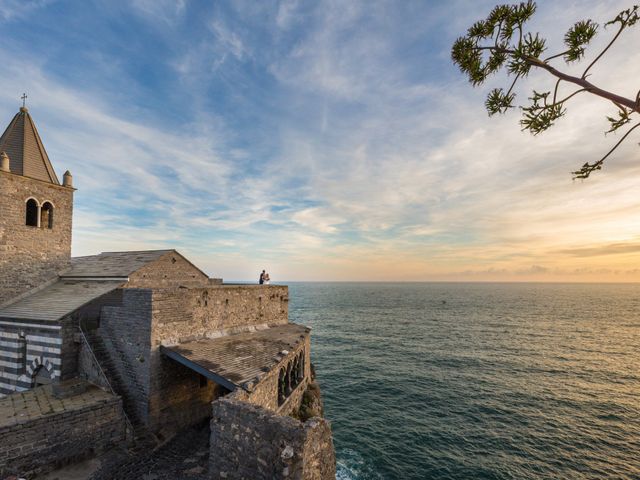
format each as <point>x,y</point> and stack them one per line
<point>24,99</point>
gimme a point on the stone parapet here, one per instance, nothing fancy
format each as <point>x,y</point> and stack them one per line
<point>39,433</point>
<point>181,315</point>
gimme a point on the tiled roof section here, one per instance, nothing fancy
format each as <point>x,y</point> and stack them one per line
<point>112,264</point>
<point>242,357</point>
<point>27,155</point>
<point>57,300</point>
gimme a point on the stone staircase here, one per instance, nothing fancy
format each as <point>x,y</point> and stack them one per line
<point>121,386</point>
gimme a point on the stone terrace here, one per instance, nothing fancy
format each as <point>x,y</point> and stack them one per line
<point>24,407</point>
<point>242,359</point>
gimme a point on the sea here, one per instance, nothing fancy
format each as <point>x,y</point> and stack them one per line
<point>477,380</point>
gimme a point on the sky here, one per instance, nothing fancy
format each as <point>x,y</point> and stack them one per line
<point>322,141</point>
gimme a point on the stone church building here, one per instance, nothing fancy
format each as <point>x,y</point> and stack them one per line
<point>137,345</point>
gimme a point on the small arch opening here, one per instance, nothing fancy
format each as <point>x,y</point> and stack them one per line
<point>31,215</point>
<point>41,376</point>
<point>46,215</point>
<point>282,386</point>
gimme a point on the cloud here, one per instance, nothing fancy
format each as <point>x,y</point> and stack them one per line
<point>600,250</point>
<point>15,9</point>
<point>330,141</point>
<point>162,11</point>
<point>229,41</point>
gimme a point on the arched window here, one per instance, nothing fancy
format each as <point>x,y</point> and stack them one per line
<point>46,215</point>
<point>296,371</point>
<point>32,213</point>
<point>300,366</point>
<point>281,386</point>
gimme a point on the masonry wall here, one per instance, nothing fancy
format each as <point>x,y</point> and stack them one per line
<point>179,397</point>
<point>41,445</point>
<point>29,256</point>
<point>90,369</point>
<point>24,349</point>
<point>170,270</point>
<point>70,347</point>
<point>250,442</point>
<point>180,315</point>
<point>265,393</point>
<point>176,399</point>
<point>125,333</point>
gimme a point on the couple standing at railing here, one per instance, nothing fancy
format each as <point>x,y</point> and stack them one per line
<point>264,278</point>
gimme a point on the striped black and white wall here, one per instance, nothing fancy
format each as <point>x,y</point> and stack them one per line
<point>29,353</point>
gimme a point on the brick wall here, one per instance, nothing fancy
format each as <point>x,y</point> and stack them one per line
<point>43,444</point>
<point>170,270</point>
<point>248,441</point>
<point>29,256</point>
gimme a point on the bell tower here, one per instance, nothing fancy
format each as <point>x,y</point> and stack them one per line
<point>35,211</point>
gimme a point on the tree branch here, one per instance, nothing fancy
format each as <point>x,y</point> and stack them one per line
<point>588,86</point>
<point>580,81</point>
<point>556,56</point>
<point>587,168</point>
<point>584,74</point>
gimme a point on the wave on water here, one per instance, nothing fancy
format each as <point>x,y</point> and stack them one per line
<point>352,466</point>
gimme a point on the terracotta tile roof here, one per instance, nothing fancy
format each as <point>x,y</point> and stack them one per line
<point>112,264</point>
<point>26,152</point>
<point>57,300</point>
<point>242,358</point>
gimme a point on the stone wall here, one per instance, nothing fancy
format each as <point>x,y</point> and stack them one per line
<point>250,442</point>
<point>47,442</point>
<point>75,357</point>
<point>125,333</point>
<point>181,315</point>
<point>70,347</point>
<point>170,270</point>
<point>265,393</point>
<point>179,397</point>
<point>23,349</point>
<point>89,368</point>
<point>29,256</point>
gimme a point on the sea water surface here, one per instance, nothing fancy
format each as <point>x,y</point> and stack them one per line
<point>478,381</point>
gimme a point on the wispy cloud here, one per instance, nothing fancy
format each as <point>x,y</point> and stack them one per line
<point>164,11</point>
<point>327,141</point>
<point>16,9</point>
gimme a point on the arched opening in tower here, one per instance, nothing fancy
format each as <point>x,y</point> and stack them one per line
<point>32,213</point>
<point>46,215</point>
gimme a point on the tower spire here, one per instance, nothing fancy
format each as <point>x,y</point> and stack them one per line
<point>27,154</point>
